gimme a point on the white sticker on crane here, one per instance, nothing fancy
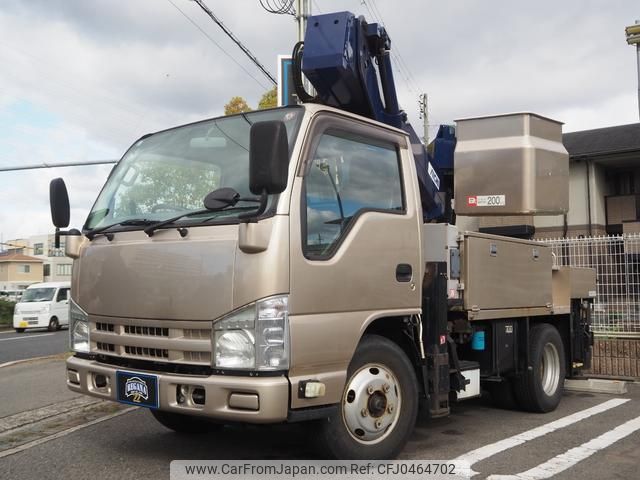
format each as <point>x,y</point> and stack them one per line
<point>433,175</point>
<point>487,201</point>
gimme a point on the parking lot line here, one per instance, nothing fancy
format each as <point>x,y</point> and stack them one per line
<point>568,459</point>
<point>492,449</point>
<point>26,338</point>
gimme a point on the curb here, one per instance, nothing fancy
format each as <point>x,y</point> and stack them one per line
<point>27,360</point>
<point>596,385</point>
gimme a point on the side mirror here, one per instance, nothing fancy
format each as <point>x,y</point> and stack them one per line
<point>59,202</point>
<point>268,157</point>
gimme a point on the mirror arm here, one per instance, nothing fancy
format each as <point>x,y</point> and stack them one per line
<point>252,217</point>
<point>64,233</point>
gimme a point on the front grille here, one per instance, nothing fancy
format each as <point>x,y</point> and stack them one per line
<point>105,347</point>
<point>146,352</point>
<point>149,331</point>
<point>197,357</point>
<point>197,333</point>
<point>176,342</point>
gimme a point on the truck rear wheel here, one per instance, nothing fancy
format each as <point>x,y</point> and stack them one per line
<point>182,423</point>
<point>540,389</point>
<point>379,405</point>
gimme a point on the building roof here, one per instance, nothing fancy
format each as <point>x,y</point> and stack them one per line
<point>18,257</point>
<point>603,141</point>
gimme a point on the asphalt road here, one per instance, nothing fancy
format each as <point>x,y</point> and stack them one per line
<point>590,437</point>
<point>32,343</point>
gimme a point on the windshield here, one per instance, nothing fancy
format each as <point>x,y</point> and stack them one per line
<point>38,295</point>
<point>171,172</point>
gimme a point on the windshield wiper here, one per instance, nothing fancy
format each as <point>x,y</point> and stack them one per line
<point>224,198</point>
<point>125,223</point>
<point>156,225</point>
<point>152,228</point>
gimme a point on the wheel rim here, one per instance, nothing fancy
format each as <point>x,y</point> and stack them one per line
<point>371,404</point>
<point>550,369</point>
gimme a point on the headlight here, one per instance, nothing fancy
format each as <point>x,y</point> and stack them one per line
<point>45,308</point>
<point>78,328</point>
<point>255,337</point>
<point>16,310</point>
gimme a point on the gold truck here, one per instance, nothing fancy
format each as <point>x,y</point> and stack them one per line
<point>274,267</point>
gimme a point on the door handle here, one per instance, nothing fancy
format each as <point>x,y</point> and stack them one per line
<point>404,272</point>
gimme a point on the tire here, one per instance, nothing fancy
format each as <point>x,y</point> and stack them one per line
<point>182,423</point>
<point>20,330</point>
<point>53,324</point>
<point>381,382</point>
<point>540,389</point>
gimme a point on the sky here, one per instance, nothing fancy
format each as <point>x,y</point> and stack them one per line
<point>81,80</point>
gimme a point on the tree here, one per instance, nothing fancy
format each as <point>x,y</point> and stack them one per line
<point>236,105</point>
<point>166,187</point>
<point>269,99</point>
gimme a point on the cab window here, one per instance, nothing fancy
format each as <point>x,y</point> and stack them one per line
<point>63,294</point>
<point>346,177</point>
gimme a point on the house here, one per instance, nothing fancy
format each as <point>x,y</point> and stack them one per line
<point>56,266</point>
<point>18,271</point>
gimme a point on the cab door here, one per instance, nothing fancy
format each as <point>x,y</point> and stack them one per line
<point>355,241</point>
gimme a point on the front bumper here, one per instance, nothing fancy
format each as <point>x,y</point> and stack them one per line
<point>232,399</point>
<point>31,320</point>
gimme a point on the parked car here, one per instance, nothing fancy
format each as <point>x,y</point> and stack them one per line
<point>43,305</point>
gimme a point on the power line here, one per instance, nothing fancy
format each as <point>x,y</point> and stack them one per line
<point>217,45</point>
<point>56,165</point>
<point>279,7</point>
<point>230,34</point>
<point>401,65</point>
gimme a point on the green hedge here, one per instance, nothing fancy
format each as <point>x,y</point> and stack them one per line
<point>6,312</point>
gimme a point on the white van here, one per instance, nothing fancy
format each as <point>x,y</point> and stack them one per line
<point>43,305</point>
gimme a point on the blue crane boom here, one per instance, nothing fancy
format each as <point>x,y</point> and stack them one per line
<point>347,60</point>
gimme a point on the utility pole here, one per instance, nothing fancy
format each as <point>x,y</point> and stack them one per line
<point>633,38</point>
<point>303,10</point>
<point>424,115</point>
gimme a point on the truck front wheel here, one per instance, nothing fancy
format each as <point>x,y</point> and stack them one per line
<point>181,423</point>
<point>379,405</point>
<point>540,388</point>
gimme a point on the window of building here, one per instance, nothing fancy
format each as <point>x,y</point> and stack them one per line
<point>24,268</point>
<point>348,176</point>
<point>38,249</point>
<point>56,252</point>
<point>46,270</point>
<point>63,269</point>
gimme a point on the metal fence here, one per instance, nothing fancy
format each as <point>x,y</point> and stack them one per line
<point>617,262</point>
